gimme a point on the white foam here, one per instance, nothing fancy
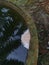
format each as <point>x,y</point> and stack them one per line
<point>25,39</point>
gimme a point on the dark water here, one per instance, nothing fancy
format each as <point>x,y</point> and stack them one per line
<point>12,26</point>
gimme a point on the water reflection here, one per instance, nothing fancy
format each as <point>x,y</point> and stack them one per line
<point>18,54</point>
<point>4,10</point>
<point>12,26</point>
